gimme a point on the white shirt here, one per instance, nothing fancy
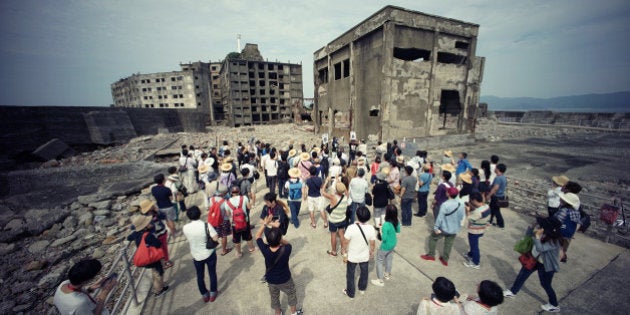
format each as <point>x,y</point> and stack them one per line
<point>493,175</point>
<point>358,250</point>
<point>196,236</point>
<point>74,302</point>
<point>553,197</point>
<point>358,188</point>
<point>271,166</point>
<point>209,161</point>
<point>334,171</point>
<point>251,169</point>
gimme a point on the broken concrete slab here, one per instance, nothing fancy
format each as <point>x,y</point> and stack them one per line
<point>53,149</point>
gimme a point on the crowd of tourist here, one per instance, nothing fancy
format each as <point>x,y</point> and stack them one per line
<point>337,188</point>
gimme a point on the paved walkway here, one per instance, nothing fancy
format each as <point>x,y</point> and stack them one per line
<point>594,267</point>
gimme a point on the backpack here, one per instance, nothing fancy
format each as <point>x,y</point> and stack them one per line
<point>239,217</point>
<point>283,169</point>
<point>585,221</point>
<point>214,213</point>
<point>295,190</point>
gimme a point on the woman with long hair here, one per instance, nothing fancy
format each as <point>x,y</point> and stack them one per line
<point>385,254</point>
<point>546,251</point>
<point>484,178</point>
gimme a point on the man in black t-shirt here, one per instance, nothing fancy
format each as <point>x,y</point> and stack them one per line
<point>164,200</point>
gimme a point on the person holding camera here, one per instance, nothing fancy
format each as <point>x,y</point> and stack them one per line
<point>73,296</point>
<point>197,232</point>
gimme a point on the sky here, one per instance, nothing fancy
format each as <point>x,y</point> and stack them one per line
<point>63,52</point>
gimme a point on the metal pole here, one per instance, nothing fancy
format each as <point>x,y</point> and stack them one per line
<point>128,270</point>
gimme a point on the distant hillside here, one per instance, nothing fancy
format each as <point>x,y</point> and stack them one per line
<point>611,102</point>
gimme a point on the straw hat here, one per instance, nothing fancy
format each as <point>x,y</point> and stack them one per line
<point>560,180</point>
<point>448,153</point>
<point>400,159</point>
<point>361,162</point>
<point>571,199</point>
<point>317,149</point>
<point>448,167</point>
<point>426,167</point>
<point>226,167</point>
<point>146,205</point>
<point>466,178</point>
<point>304,156</point>
<point>385,170</point>
<point>203,168</point>
<point>292,152</point>
<point>294,173</point>
<point>228,159</point>
<point>340,188</point>
<point>140,222</point>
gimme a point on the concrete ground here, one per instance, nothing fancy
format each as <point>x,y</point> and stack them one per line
<point>593,282</point>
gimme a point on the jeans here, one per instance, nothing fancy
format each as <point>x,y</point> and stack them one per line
<point>545,281</point>
<point>295,211</point>
<point>211,263</point>
<point>422,203</point>
<point>379,216</point>
<point>282,192</point>
<point>384,257</point>
<point>495,211</point>
<point>473,241</point>
<point>354,206</point>
<point>448,244</point>
<point>272,182</point>
<point>405,210</point>
<point>363,277</point>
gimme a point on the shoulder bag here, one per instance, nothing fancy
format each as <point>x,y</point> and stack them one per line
<point>528,260</point>
<point>330,210</point>
<point>364,238</point>
<point>145,254</point>
<point>210,243</point>
<point>368,199</point>
<point>184,168</point>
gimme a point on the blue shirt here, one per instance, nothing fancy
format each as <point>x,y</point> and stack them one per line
<point>447,221</point>
<point>463,166</point>
<point>425,178</point>
<point>501,181</point>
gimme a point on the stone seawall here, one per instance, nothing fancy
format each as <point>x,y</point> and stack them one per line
<point>614,121</point>
<point>25,128</point>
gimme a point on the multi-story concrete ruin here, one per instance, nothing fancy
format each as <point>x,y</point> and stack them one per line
<point>255,91</point>
<point>399,73</point>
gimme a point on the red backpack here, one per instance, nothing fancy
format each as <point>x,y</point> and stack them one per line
<point>239,217</point>
<point>214,213</point>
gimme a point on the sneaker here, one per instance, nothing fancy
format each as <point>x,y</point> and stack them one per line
<point>388,276</point>
<point>346,294</point>
<point>508,294</point>
<point>206,297</point>
<point>427,257</point>
<point>263,279</point>
<point>213,296</point>
<point>362,292</point>
<point>164,288</point>
<point>378,282</point>
<point>466,256</point>
<point>550,308</point>
<point>471,264</point>
<point>444,262</point>
<point>298,312</point>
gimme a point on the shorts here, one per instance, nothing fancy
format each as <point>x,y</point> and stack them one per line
<point>333,227</point>
<point>224,229</point>
<point>169,212</point>
<point>245,235</point>
<point>314,203</point>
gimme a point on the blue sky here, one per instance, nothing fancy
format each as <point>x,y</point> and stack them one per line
<point>69,52</point>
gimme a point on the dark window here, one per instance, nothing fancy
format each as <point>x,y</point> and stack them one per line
<point>346,68</point>
<point>338,71</point>
<point>444,57</point>
<point>323,75</point>
<point>461,45</point>
<point>412,54</point>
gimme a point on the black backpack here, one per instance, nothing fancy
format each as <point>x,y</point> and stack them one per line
<point>585,220</point>
<point>283,169</point>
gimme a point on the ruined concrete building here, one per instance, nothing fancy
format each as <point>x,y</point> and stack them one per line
<point>399,73</point>
<point>254,91</point>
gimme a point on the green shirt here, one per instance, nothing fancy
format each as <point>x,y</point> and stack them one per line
<point>388,236</point>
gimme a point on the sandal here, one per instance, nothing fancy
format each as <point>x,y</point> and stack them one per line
<point>332,254</point>
<point>226,251</point>
<point>326,225</point>
<point>168,264</point>
<point>251,250</point>
<point>313,225</point>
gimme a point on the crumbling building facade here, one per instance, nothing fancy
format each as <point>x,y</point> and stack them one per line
<point>255,91</point>
<point>399,73</point>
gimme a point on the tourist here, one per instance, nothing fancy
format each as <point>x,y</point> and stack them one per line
<point>484,178</point>
<point>225,147</point>
<point>424,186</point>
<point>292,159</point>
<point>335,170</point>
<point>385,254</point>
<point>294,188</point>
<point>227,178</point>
<point>141,226</point>
<point>178,191</point>
<point>358,245</point>
<point>357,189</point>
<point>498,192</point>
<point>447,158</point>
<point>325,163</point>
<point>187,168</point>
<point>304,165</point>
<point>313,197</point>
<point>546,249</point>
<point>382,195</point>
<point>443,300</point>
<point>196,232</point>
<point>233,206</point>
<point>553,194</point>
<point>164,199</point>
<point>148,208</point>
<point>451,169</point>
<point>569,216</point>
<point>393,177</point>
<point>361,164</point>
<point>283,174</point>
<point>278,210</point>
<point>72,296</point>
<point>352,149</point>
<point>337,220</point>
<point>489,295</point>
<point>466,181</point>
<point>477,213</point>
<point>224,229</point>
<point>209,162</point>
<point>374,169</point>
<point>494,161</point>
<point>245,183</point>
<point>271,171</point>
<point>440,194</point>
<point>407,195</point>
<point>277,252</point>
<point>215,157</point>
<point>463,165</point>
<point>447,225</point>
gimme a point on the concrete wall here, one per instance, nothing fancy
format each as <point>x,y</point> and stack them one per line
<point>25,128</point>
<point>593,120</point>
